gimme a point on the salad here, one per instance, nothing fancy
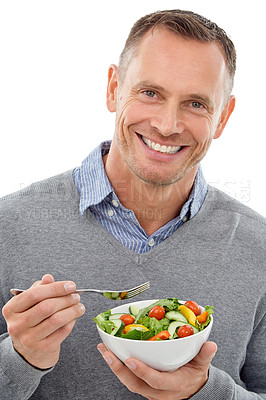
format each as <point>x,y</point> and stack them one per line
<point>165,319</point>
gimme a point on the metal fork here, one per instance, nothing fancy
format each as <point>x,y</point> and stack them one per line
<point>110,294</point>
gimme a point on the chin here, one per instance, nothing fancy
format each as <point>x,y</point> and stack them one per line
<point>157,180</point>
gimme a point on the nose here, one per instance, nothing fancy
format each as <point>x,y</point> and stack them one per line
<point>168,120</point>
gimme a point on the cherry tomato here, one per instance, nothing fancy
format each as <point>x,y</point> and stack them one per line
<point>157,312</point>
<point>185,330</point>
<point>193,306</point>
<point>127,319</point>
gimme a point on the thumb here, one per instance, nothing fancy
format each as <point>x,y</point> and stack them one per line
<point>47,278</point>
<point>206,354</point>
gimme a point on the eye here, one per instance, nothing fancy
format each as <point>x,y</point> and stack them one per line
<point>196,104</point>
<point>149,93</point>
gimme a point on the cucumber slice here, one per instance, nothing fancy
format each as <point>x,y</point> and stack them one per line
<point>173,326</point>
<point>108,295</point>
<point>119,326</point>
<point>111,295</point>
<point>176,316</point>
<point>194,329</point>
<point>134,310</point>
<point>115,316</point>
<point>115,295</point>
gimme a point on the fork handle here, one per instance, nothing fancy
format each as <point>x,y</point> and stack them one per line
<point>18,291</point>
<point>89,290</point>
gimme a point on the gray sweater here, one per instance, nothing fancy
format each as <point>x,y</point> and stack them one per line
<point>216,258</point>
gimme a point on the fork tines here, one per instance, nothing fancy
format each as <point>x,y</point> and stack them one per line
<point>137,290</point>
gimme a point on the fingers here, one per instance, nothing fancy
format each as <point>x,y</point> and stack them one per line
<point>208,351</point>
<point>59,335</point>
<point>44,318</point>
<point>149,380</point>
<point>37,283</point>
<point>57,321</point>
<point>38,293</point>
<point>155,379</point>
<point>40,318</point>
<point>126,376</point>
<point>47,278</point>
<point>153,384</point>
<point>205,356</point>
<point>116,365</point>
<point>41,311</point>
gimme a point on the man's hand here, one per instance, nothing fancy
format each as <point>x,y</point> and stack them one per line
<point>155,385</point>
<point>40,318</point>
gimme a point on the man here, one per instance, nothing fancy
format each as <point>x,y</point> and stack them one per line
<point>139,209</point>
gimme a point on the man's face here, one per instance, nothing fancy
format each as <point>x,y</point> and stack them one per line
<point>169,106</point>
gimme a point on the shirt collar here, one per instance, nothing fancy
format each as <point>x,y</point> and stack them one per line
<point>198,193</point>
<point>94,186</point>
<point>91,180</point>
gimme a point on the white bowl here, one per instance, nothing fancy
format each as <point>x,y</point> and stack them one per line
<point>167,355</point>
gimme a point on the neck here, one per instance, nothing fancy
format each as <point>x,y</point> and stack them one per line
<point>153,206</point>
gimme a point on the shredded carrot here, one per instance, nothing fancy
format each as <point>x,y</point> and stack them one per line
<point>203,317</point>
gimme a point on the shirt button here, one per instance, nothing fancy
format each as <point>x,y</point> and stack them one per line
<point>110,213</point>
<point>185,218</point>
<point>151,242</point>
<point>115,203</point>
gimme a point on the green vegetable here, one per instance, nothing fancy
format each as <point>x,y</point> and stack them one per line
<point>155,324</point>
<point>168,304</point>
<point>134,310</point>
<point>112,324</point>
<point>106,326</point>
<point>118,327</point>
<point>136,334</point>
<point>102,320</point>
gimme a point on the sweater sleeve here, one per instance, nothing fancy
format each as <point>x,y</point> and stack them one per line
<point>221,386</point>
<point>18,379</point>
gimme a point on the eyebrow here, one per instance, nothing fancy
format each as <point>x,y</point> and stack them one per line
<point>205,99</point>
<point>196,97</point>
<point>150,85</point>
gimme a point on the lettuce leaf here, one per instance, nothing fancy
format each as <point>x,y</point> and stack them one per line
<point>169,305</point>
<point>155,325</point>
<point>102,320</point>
<point>136,334</point>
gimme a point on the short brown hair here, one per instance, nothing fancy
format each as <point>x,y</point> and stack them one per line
<point>186,24</point>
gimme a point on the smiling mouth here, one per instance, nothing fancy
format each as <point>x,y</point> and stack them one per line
<point>161,148</point>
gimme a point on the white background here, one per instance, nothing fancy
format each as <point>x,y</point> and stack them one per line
<point>54,57</point>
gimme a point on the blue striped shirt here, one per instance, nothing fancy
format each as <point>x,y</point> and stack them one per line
<point>97,195</point>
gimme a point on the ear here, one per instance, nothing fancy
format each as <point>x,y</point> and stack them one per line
<point>112,88</point>
<point>227,111</point>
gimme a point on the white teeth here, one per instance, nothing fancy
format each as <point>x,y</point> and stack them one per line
<point>161,149</point>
